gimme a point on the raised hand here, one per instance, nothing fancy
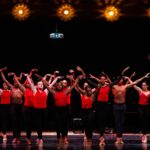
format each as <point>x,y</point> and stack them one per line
<point>91,76</point>
<point>25,74</point>
<point>127,68</point>
<point>71,71</point>
<point>147,75</point>
<point>70,77</point>
<point>34,70</point>
<point>2,69</point>
<point>37,75</point>
<point>11,74</point>
<point>79,69</point>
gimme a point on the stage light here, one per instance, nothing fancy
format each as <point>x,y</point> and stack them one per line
<point>148,12</point>
<point>111,13</point>
<point>66,12</point>
<point>21,11</point>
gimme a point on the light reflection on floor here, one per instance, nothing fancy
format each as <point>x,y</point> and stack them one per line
<point>132,142</point>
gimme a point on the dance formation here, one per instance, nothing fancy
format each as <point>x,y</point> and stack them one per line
<point>25,100</point>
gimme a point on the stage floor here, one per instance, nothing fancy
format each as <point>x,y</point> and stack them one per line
<point>132,142</point>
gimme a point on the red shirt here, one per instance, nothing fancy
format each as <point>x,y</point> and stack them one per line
<point>86,101</point>
<point>5,97</point>
<point>28,97</point>
<point>144,99</point>
<point>60,98</point>
<point>40,100</point>
<point>103,94</point>
<point>68,96</point>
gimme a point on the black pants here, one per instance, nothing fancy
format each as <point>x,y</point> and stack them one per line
<point>39,115</point>
<point>119,116</point>
<point>28,120</point>
<point>101,116</point>
<point>62,121</point>
<point>5,116</point>
<point>88,118</point>
<point>143,111</point>
<point>17,119</point>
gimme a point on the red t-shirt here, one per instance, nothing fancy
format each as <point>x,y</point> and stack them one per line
<point>40,100</point>
<point>144,99</point>
<point>28,97</point>
<point>86,101</point>
<point>5,97</point>
<point>60,98</point>
<point>103,94</point>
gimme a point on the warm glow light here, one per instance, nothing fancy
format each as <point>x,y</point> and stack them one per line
<point>65,12</point>
<point>111,13</point>
<point>148,12</point>
<point>21,11</point>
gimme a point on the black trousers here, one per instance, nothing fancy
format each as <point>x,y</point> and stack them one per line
<point>88,118</point>
<point>39,115</point>
<point>143,111</point>
<point>17,119</point>
<point>28,120</point>
<point>119,116</point>
<point>62,121</point>
<point>5,117</point>
<point>101,111</point>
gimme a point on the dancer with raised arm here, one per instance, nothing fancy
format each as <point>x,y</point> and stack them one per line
<point>16,107</point>
<point>119,108</point>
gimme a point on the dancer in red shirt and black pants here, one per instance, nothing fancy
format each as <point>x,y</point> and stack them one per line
<point>4,109</point>
<point>39,105</point>
<point>61,108</point>
<point>87,99</point>
<point>143,108</point>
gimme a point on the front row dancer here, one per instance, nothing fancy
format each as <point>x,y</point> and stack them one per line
<point>61,102</point>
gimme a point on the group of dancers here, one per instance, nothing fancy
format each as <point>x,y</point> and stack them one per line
<point>30,98</point>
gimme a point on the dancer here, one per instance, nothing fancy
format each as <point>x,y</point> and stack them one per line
<point>40,105</point>
<point>119,107</point>
<point>143,108</point>
<point>16,107</point>
<point>60,98</point>
<point>28,105</point>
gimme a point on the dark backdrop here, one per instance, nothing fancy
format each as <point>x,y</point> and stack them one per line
<point>94,44</point>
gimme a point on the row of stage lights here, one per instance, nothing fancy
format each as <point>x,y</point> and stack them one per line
<point>66,12</point>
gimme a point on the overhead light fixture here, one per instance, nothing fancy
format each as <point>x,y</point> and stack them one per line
<point>111,13</point>
<point>21,11</point>
<point>56,34</point>
<point>66,12</point>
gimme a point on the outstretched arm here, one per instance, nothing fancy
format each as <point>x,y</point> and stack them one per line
<point>80,90</point>
<point>46,83</point>
<point>4,78</point>
<point>122,74</point>
<point>94,77</point>
<point>33,88</point>
<point>132,75</point>
<point>22,88</point>
<point>138,80</point>
<point>81,71</point>
<point>107,77</point>
<point>32,71</point>
<point>74,84</point>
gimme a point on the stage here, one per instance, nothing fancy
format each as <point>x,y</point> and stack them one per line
<point>132,141</point>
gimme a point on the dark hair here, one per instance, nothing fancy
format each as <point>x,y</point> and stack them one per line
<point>102,75</point>
<point>87,87</point>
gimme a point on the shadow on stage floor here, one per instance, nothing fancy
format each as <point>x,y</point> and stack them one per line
<point>132,142</point>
